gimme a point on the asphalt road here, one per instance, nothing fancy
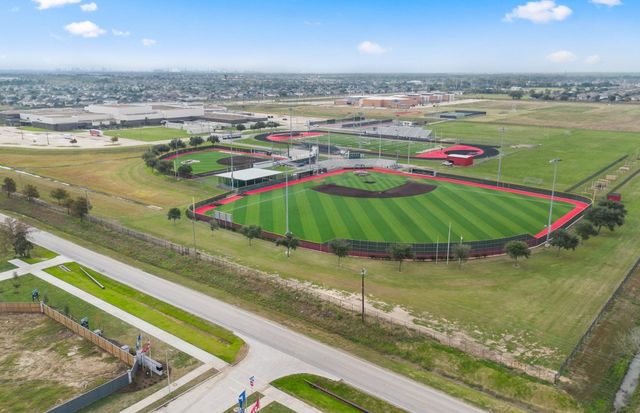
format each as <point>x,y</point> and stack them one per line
<point>375,380</point>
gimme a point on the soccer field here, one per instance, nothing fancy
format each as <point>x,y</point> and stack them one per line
<point>148,134</point>
<point>475,213</point>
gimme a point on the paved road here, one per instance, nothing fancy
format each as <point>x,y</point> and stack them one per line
<point>387,385</point>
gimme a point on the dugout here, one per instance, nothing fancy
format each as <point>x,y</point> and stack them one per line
<point>246,177</point>
<point>460,160</point>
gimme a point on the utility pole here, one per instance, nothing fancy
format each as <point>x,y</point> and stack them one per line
<point>500,157</point>
<point>286,200</point>
<point>555,162</point>
<point>290,133</point>
<point>363,272</point>
<point>193,225</point>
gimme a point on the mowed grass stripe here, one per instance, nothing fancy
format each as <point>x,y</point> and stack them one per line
<point>431,215</point>
<point>383,226</point>
<point>389,213</point>
<point>335,225</point>
<point>361,227</point>
<point>409,217</point>
<point>310,227</point>
<point>483,219</point>
<point>464,215</point>
<point>489,215</point>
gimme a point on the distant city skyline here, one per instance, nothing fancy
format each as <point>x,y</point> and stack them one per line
<point>329,37</point>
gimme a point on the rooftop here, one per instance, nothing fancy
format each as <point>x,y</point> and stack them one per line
<point>248,174</point>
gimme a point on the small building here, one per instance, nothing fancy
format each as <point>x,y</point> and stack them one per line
<point>614,196</point>
<point>460,160</point>
<point>246,177</point>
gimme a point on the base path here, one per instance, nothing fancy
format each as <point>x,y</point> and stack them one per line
<point>325,359</point>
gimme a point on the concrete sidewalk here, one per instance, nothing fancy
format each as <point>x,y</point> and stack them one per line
<point>26,268</point>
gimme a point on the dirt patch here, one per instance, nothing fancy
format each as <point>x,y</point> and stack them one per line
<point>240,161</point>
<point>36,348</point>
<point>408,189</point>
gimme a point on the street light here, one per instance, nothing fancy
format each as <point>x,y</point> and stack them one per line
<point>363,272</point>
<point>555,162</point>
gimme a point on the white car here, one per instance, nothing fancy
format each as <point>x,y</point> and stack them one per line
<point>447,163</point>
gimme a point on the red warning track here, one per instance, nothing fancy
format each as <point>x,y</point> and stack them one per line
<point>455,149</point>
<point>579,206</point>
<point>280,137</point>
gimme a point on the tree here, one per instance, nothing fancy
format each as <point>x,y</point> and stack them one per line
<point>59,194</point>
<point>176,143</point>
<point>517,249</point>
<point>258,125</point>
<point>80,207</point>
<point>164,167</point>
<point>150,158</point>
<point>15,280</point>
<point>196,141</point>
<point>214,226</point>
<point>174,214</point>
<point>68,203</point>
<point>461,253</point>
<point>22,246</point>
<point>213,139</point>
<point>607,216</point>
<point>340,247</point>
<point>251,232</point>
<point>160,148</point>
<point>563,239</point>
<point>614,205</point>
<point>400,252</point>
<point>516,94</point>
<point>114,139</point>
<point>241,127</point>
<point>289,241</point>
<point>31,192</point>
<point>585,230</point>
<point>9,186</point>
<point>185,170</point>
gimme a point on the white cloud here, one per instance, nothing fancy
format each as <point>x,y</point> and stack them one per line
<point>120,33</point>
<point>610,3</point>
<point>368,47</point>
<point>89,7</point>
<point>148,42</point>
<point>48,4</point>
<point>562,56</point>
<point>84,29</point>
<point>544,11</point>
<point>593,59</point>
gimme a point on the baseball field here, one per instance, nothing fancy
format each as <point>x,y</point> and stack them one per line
<point>394,207</point>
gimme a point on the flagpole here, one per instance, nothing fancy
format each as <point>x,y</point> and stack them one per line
<point>448,243</point>
<point>437,245</point>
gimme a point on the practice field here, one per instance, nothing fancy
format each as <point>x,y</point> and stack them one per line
<point>418,210</point>
<point>216,160</point>
<point>149,134</point>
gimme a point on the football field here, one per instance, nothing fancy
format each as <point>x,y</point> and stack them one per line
<point>376,209</point>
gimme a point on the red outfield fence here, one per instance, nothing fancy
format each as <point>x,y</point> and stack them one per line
<point>421,251</point>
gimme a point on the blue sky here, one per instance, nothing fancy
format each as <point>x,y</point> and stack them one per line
<point>322,35</point>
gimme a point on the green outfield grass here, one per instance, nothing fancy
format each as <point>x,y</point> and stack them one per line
<point>150,134</point>
<point>209,337</point>
<point>475,213</point>
<point>205,161</point>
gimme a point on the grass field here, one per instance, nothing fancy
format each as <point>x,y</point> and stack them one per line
<point>39,254</point>
<point>474,213</point>
<point>148,134</point>
<point>275,407</point>
<point>299,388</point>
<point>194,330</point>
<point>211,160</point>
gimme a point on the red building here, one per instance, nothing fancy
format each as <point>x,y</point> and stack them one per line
<point>460,160</point>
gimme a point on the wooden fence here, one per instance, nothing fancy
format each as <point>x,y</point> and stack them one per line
<point>122,355</point>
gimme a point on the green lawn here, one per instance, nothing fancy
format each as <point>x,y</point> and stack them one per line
<point>39,254</point>
<point>474,213</point>
<point>148,134</point>
<point>275,407</point>
<point>299,388</point>
<point>194,330</point>
<point>582,151</point>
<point>6,266</point>
<point>33,129</point>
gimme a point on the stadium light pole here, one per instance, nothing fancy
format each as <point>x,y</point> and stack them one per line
<point>408,152</point>
<point>555,162</point>
<point>500,157</point>
<point>379,144</point>
<point>363,272</point>
<point>290,133</point>
<point>286,200</point>
<point>449,243</point>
